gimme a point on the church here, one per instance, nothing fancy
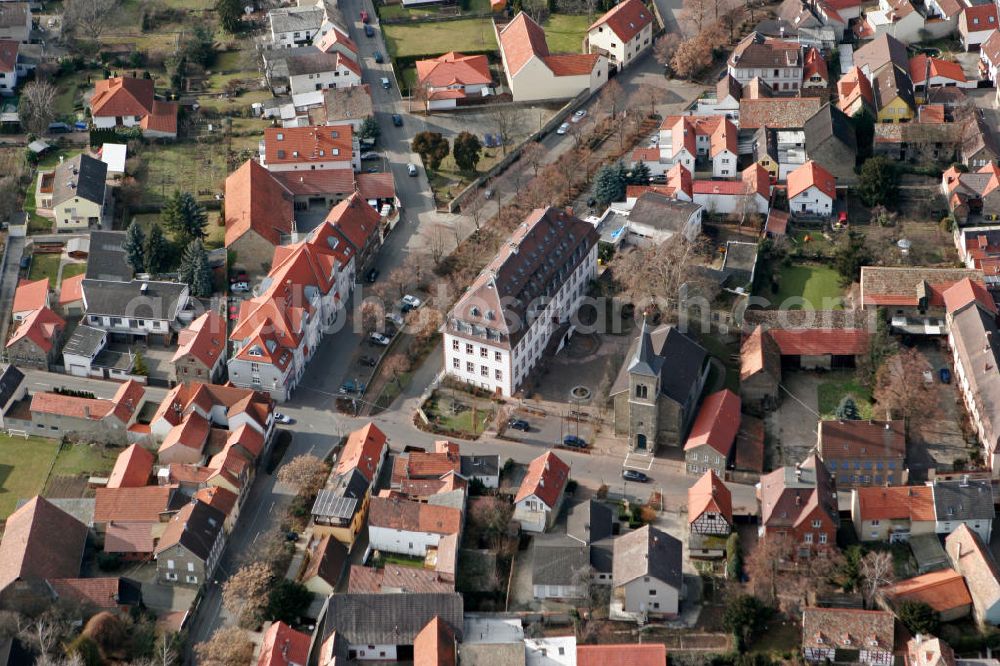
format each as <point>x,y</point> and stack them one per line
<point>656,392</point>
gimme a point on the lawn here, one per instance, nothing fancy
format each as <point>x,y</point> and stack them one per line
<point>564,33</point>
<point>91,460</point>
<point>431,39</point>
<point>68,104</point>
<point>36,223</point>
<point>45,265</point>
<point>401,560</point>
<point>818,286</point>
<point>415,13</point>
<point>196,167</point>
<point>70,270</point>
<point>833,390</point>
<point>24,467</point>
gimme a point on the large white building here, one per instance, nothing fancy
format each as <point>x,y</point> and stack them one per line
<point>502,325</point>
<point>623,33</point>
<point>776,62</point>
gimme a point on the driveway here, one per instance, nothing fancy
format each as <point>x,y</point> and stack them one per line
<point>9,279</point>
<point>794,423</point>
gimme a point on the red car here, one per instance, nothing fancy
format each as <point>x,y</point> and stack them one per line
<point>364,16</point>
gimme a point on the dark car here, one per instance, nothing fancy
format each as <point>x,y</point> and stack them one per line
<point>350,386</point>
<point>364,16</point>
<point>945,375</point>
<point>25,263</point>
<point>368,361</point>
<point>518,424</point>
<point>632,475</point>
<point>397,120</point>
<point>369,31</point>
<point>371,276</point>
<point>574,442</point>
<point>60,128</point>
<point>378,56</point>
<point>291,536</point>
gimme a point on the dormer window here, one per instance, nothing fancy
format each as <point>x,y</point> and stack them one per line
<point>474,311</point>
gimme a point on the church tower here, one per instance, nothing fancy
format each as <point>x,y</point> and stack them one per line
<point>644,389</point>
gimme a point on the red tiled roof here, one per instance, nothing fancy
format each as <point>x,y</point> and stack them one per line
<point>30,296</point>
<point>42,327</point>
<point>302,145</point>
<point>219,498</point>
<point>626,19</point>
<point>411,516</point>
<point>820,341</point>
<point>966,291</point>
<point>363,451</point>
<point>162,118</point>
<point>204,339</point>
<point>896,503</point>
<point>709,493</point>
<point>571,64</point>
<point>777,222</point>
<point>133,468</point>
<point>645,155</point>
<point>41,540</point>
<point>942,590</point>
<point>257,201</point>
<point>943,68</point>
<point>376,185</point>
<point>282,646</point>
<point>724,137</point>
<point>859,440</point>
<point>71,289</point>
<point>435,645</point>
<point>130,537</point>
<point>355,219</point>
<point>97,592</point>
<point>454,69</point>
<point>122,96</point>
<point>8,55</point>
<point>317,182</point>
<point>627,654</point>
<point>333,37</point>
<point>70,406</point>
<point>192,433</point>
<point>716,423</point>
<point>979,18</point>
<point>131,504</point>
<point>815,65</point>
<point>809,175</point>
<point>521,40</point>
<point>546,479</point>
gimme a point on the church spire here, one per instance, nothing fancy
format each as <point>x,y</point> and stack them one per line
<point>645,360</point>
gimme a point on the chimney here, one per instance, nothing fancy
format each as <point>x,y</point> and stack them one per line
<point>965,481</point>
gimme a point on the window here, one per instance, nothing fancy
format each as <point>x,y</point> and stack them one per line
<point>454,345</point>
<point>190,566</point>
<point>817,523</point>
<point>809,537</point>
<point>470,367</point>
<point>641,391</point>
<point>483,353</point>
<point>484,371</point>
<point>468,348</point>
<point>874,523</point>
<point>456,364</point>
<point>499,375</point>
<point>652,592</point>
<point>496,356</point>
<point>822,537</point>
<point>191,579</point>
<point>171,576</point>
<point>170,564</point>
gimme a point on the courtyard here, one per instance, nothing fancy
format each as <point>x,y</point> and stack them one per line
<point>809,286</point>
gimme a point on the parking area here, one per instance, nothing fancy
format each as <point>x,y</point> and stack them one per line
<point>519,122</point>
<point>938,440</point>
<point>793,424</point>
<point>157,358</point>
<point>547,427</point>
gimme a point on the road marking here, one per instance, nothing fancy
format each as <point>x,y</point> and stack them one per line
<point>627,465</point>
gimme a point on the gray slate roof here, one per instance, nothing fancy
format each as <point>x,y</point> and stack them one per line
<point>81,176</point>
<point>293,19</point>
<point>589,521</point>
<point>312,63</point>
<point>647,552</point>
<point>683,360</point>
<point>340,104</point>
<point>10,381</point>
<point>829,122</point>
<point>473,466</point>
<point>106,258</point>
<point>963,500</point>
<point>662,213</point>
<point>390,619</point>
<point>160,300</point>
<point>202,529</point>
<point>559,561</point>
<point>85,341</point>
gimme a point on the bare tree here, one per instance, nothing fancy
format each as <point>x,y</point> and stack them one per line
<point>876,569</point>
<point>474,208</point>
<point>653,275</point>
<point>533,154</point>
<point>245,593</point>
<point>436,243</point>
<point>536,9</point>
<point>229,646</point>
<point>665,47</point>
<point>732,19</point>
<point>900,387</point>
<point>692,56</point>
<point>612,98</point>
<point>397,364</point>
<point>372,314</point>
<point>491,516</point>
<point>36,109</point>
<point>698,14</point>
<point>306,472</point>
<point>503,116</point>
<point>88,19</point>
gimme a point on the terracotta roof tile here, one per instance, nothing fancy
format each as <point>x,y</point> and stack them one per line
<point>571,64</point>
<point>132,469</point>
<point>411,516</point>
<point>204,340</point>
<point>363,450</point>
<point>70,406</point>
<point>30,296</point>
<point>303,145</point>
<point>454,69</point>
<point>41,327</point>
<point>882,285</point>
<point>122,96</point>
<point>778,112</point>
<point>521,40</point>
<point>41,541</point>
<point>848,629</point>
<point>943,68</point>
<point>376,185</point>
<point>332,38</point>
<point>942,590</point>
<point>162,118</point>
<point>546,479</point>
<point>393,577</point>
<point>432,465</point>
<point>809,175</point>
<point>861,439</point>
<point>131,504</point>
<point>318,182</point>
<point>192,433</point>
<point>968,291</point>
<point>627,654</point>
<point>978,18</point>
<point>8,55</point>
<point>257,201</point>
<point>435,645</point>
<point>130,537</point>
<point>97,592</point>
<point>915,503</point>
<point>626,19</point>
<point>717,422</point>
<point>355,219</point>
<point>71,289</point>
<point>283,646</point>
<point>220,498</point>
<point>709,493</point>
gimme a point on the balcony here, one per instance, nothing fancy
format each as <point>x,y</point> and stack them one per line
<point>920,325</point>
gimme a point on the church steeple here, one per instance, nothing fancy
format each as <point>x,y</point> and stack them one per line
<point>645,361</point>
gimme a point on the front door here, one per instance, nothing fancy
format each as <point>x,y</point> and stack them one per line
<point>640,442</point>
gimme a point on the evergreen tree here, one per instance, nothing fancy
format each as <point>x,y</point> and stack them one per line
<point>139,365</point>
<point>879,182</point>
<point>369,129</point>
<point>190,261</point>
<point>466,148</point>
<point>847,410</point>
<point>639,174</point>
<point>201,276</point>
<point>157,250</point>
<point>609,185</point>
<point>185,217</point>
<point>134,246</point>
<point>230,15</point>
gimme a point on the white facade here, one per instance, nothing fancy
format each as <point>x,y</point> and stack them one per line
<point>724,164</point>
<point>497,368</point>
<point>534,514</point>
<point>885,20</point>
<point>811,201</point>
<point>403,542</point>
<point>307,32</point>
<point>552,651</point>
<point>535,81</point>
<point>558,591</point>
<point>339,77</point>
<point>619,53</point>
<point>374,652</point>
<point>982,527</point>
<point>719,203</point>
<point>335,161</point>
<point>648,594</point>
<point>729,107</point>
<point>780,79</point>
<point>643,235</point>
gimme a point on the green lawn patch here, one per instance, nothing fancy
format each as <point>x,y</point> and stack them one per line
<point>196,167</point>
<point>818,286</point>
<point>833,390</point>
<point>71,270</point>
<point>36,223</point>
<point>45,265</point>
<point>88,459</point>
<point>431,39</point>
<point>401,560</point>
<point>24,467</point>
<point>564,33</point>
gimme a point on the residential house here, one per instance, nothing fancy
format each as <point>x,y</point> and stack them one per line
<point>360,225</point>
<point>863,452</point>
<point>943,590</point>
<point>295,26</point>
<point>655,218</point>
<point>341,507</point>
<point>8,63</point>
<point>395,579</point>
<point>201,350</point>
<point>976,23</point>
<point>128,521</point>
<point>723,149</point>
<point>284,646</point>
<point>854,92</point>
<point>13,389</point>
<point>109,593</point>
<point>87,419</point>
<point>966,502</point>
<point>789,113</point>
<point>973,559</point>
<point>622,34</point>
<point>533,73</point>
<point>919,142</point>
<point>798,503</point>
<point>926,650</point>
<point>830,141</point>
<point>15,22</point>
<point>898,18</point>
<point>484,469</point>
<point>979,143</point>
<point>936,73</point>
<point>365,450</point>
<point>728,92</point>
<point>332,38</point>
<point>35,342</point>
<point>133,468</point>
<point>191,545</point>
<point>591,523</point>
<point>914,298</point>
<point>749,195</point>
<point>656,393</point>
<point>327,560</point>
<point>319,71</point>
<point>541,494</point>
<point>40,542</point>
<point>259,214</point>
<point>647,580</point>
<point>775,61</point>
<point>224,407</point>
<point>893,93</point>
<point>989,56</point>
<point>685,138</point>
<point>75,192</point>
<point>323,148</point>
<point>814,71</point>
<point>85,354</point>
<point>972,194</point>
<point>30,295</point>
<point>852,635</point>
<point>384,626</point>
<point>125,101</point>
<point>223,499</point>
<point>480,347</point>
<point>710,444</point>
<point>812,190</point>
<point>883,50</point>
<point>410,528</point>
<point>143,311</point>
<point>892,514</point>
<point>344,106</point>
<point>710,516</point>
<point>646,654</point>
<point>558,569</point>
<point>450,79</point>
<point>760,371</point>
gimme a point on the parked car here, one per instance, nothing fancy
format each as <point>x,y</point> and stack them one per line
<point>282,418</point>
<point>385,82</point>
<point>632,475</point>
<point>239,287</point>
<point>351,386</point>
<point>411,302</point>
<point>563,128</point>
<point>291,537</point>
<point>371,275</point>
<point>364,16</point>
<point>945,375</point>
<point>411,169</point>
<point>378,57</point>
<point>488,194</point>
<point>368,361</point>
<point>378,339</point>
<point>369,31</point>
<point>579,115</point>
<point>370,156</point>
<point>518,424</point>
<point>397,120</point>
<point>928,377</point>
<point>574,442</point>
<point>59,128</point>
<point>372,169</point>
<point>395,318</point>
<point>25,263</point>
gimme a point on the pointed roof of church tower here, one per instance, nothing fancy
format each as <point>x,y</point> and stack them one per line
<point>646,361</point>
